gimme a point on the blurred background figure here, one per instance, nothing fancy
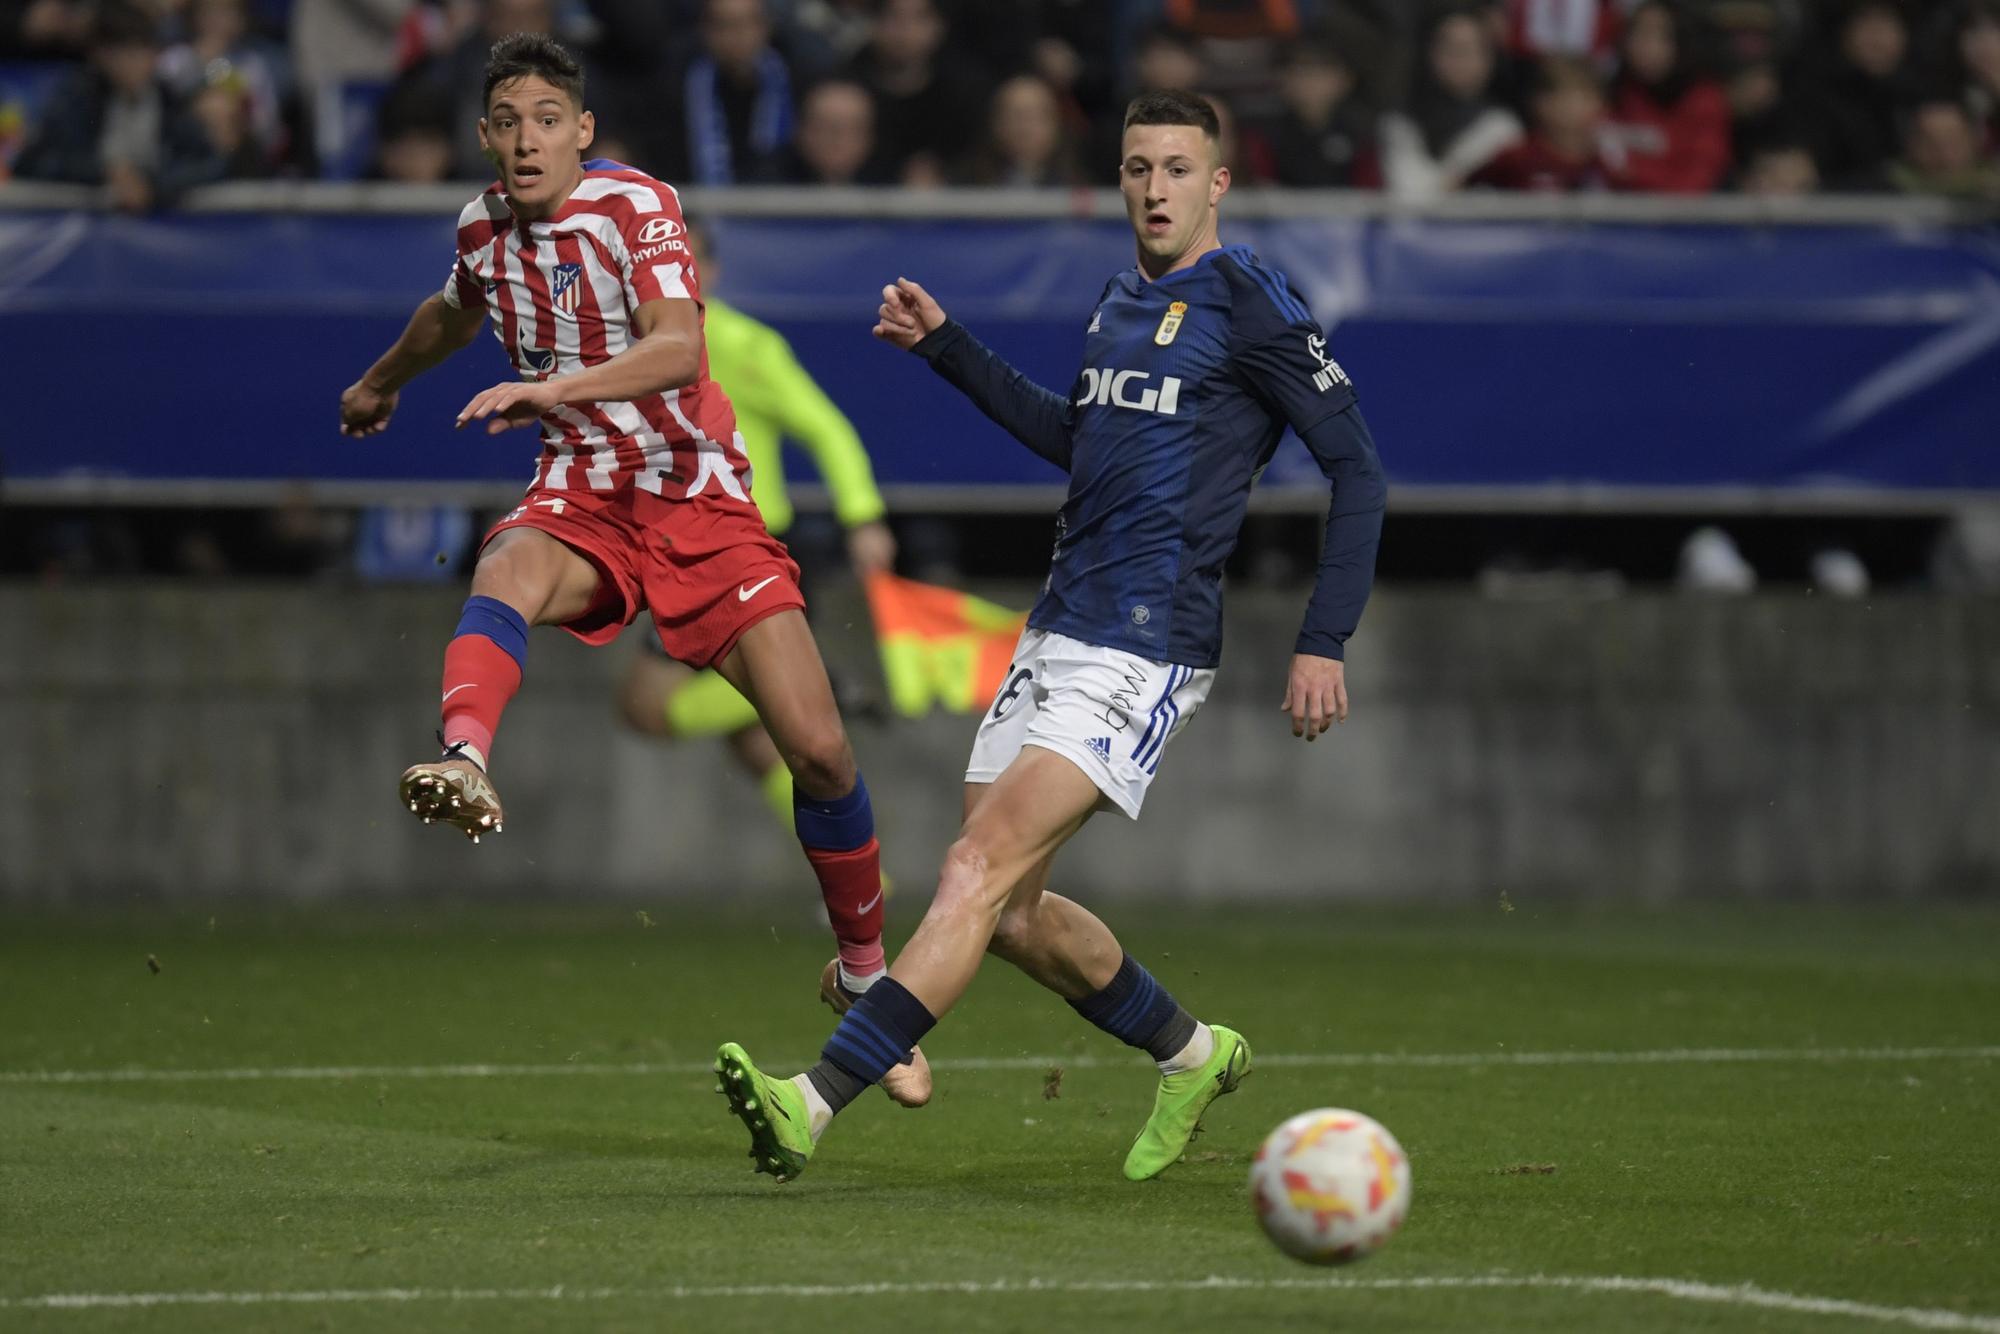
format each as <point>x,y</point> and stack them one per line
<point>344,52</point>
<point>835,143</point>
<point>45,29</point>
<point>1669,122</point>
<point>114,122</point>
<point>1564,149</point>
<point>1027,142</point>
<point>414,134</point>
<point>1163,59</point>
<point>1321,136</point>
<point>734,99</point>
<point>223,57</point>
<point>1974,62</point>
<point>1456,120</point>
<point>930,100</point>
<point>1238,42</point>
<point>1941,155</point>
<point>1780,167</point>
<point>1587,29</point>
<point>1853,95</point>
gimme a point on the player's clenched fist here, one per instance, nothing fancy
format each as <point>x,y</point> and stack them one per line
<point>365,411</point>
<point>907,313</point>
<point>509,405</point>
<point>1315,695</point>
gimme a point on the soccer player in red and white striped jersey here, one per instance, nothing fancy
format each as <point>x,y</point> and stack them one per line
<point>641,496</point>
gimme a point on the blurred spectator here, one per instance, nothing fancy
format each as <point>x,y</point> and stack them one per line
<point>1455,123</point>
<point>1239,42</point>
<point>826,35</point>
<point>1779,167</point>
<point>221,51</point>
<point>1743,31</point>
<point>735,99</point>
<point>1163,60</point>
<point>341,41</point>
<point>1941,155</point>
<point>223,107</point>
<point>1583,28</point>
<point>1027,143</point>
<point>929,103</point>
<point>1670,124</point>
<point>1563,150</point>
<point>1069,43</point>
<point>1853,100</point>
<point>1321,136</point>
<point>835,143</point>
<point>113,123</point>
<point>413,134</point>
<point>1755,91</point>
<point>1976,55</point>
<point>44,29</point>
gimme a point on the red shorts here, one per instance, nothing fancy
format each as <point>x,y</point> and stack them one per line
<point>707,572</point>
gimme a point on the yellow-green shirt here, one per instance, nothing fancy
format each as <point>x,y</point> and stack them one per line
<point>775,399</point>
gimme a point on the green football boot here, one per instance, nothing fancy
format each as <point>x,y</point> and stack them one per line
<point>1182,1099</point>
<point>772,1110</point>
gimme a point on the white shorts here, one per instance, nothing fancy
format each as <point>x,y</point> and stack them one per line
<point>1109,712</point>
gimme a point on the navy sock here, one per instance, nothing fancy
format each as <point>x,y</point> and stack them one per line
<point>840,824</point>
<point>1139,1012</point>
<point>873,1038</point>
<point>498,622</point>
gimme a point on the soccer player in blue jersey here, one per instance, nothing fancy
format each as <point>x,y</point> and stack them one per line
<point>1194,363</point>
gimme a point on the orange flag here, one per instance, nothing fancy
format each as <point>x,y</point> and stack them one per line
<point>940,647</point>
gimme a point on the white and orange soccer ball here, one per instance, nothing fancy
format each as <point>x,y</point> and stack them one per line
<point>1330,1186</point>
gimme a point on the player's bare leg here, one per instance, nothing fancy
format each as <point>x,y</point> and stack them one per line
<point>1029,812</point>
<point>777,667</point>
<point>523,578</point>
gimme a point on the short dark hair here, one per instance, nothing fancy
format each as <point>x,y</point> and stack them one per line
<point>1172,107</point>
<point>520,54</point>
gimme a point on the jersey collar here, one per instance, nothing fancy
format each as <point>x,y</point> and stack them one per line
<point>1140,281</point>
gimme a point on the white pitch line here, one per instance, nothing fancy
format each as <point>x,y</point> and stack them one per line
<point>1299,1060</point>
<point>1744,1294</point>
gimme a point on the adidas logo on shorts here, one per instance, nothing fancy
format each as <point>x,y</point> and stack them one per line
<point>1102,745</point>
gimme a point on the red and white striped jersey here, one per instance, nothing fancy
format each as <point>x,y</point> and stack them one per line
<point>561,292</point>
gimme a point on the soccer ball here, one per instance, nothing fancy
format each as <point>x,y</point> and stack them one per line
<point>1330,1186</point>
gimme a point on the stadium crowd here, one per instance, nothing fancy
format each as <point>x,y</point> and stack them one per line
<point>151,97</point>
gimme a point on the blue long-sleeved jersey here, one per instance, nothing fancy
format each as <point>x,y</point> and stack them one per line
<point>1188,382</point>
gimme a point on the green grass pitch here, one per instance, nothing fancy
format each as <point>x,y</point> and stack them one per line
<point>1854,1189</point>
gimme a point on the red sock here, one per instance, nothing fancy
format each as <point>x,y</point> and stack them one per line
<point>851,884</point>
<point>479,678</point>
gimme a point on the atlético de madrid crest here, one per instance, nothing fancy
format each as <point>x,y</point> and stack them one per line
<point>564,290</point>
<point>1170,323</point>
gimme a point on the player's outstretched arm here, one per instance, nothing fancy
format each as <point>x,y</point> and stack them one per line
<point>666,354</point>
<point>437,330</point>
<point>910,319</point>
<point>1316,690</point>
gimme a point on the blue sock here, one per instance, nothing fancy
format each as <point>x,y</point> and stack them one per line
<point>873,1037</point>
<point>498,622</point>
<point>1139,1012</point>
<point>841,824</point>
